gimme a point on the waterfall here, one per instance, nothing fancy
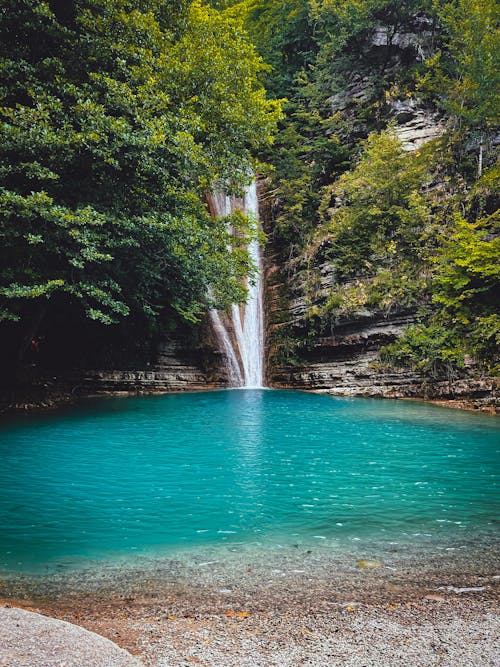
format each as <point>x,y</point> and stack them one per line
<point>234,371</point>
<point>244,349</point>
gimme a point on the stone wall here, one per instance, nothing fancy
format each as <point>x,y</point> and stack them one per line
<point>188,364</point>
<point>348,362</point>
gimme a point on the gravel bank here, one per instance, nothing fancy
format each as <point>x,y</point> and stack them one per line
<point>431,631</point>
<point>417,635</point>
<point>301,609</point>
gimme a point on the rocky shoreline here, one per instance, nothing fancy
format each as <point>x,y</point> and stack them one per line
<point>422,631</point>
<point>479,395</point>
<point>300,609</point>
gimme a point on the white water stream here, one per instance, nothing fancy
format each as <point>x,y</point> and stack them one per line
<point>242,340</point>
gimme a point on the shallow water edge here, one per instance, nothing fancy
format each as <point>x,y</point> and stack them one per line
<point>236,577</point>
<point>62,395</point>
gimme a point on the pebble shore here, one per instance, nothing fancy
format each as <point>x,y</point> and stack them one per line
<point>302,608</point>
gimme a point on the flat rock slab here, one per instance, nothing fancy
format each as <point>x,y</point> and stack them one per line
<point>33,640</point>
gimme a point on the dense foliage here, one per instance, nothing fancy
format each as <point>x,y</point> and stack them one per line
<point>117,117</point>
<point>386,226</point>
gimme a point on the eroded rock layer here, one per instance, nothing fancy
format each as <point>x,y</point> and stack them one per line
<point>181,365</point>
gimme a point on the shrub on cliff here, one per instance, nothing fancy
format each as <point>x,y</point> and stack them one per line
<point>463,319</point>
<point>375,222</point>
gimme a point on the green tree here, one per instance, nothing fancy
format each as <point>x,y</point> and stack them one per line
<point>464,73</point>
<point>116,117</point>
<point>379,212</point>
<point>464,320</point>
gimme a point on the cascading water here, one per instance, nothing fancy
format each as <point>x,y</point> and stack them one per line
<point>245,349</point>
<point>234,371</point>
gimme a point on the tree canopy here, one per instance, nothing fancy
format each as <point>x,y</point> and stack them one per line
<point>116,118</point>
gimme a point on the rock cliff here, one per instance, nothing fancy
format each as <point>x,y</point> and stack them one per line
<point>348,363</point>
<point>347,360</point>
<point>188,364</point>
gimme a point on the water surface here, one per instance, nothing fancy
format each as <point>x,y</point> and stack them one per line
<point>119,478</point>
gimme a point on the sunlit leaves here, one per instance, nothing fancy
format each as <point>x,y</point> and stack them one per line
<point>115,118</point>
<point>378,209</point>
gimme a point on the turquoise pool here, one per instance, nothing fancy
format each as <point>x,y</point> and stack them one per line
<point>116,478</point>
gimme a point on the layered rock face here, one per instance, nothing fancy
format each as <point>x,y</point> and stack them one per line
<point>348,361</point>
<point>348,364</point>
<point>185,364</point>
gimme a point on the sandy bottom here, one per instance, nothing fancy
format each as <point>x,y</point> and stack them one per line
<point>301,607</point>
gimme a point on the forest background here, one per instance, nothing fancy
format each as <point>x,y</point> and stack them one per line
<point>119,116</point>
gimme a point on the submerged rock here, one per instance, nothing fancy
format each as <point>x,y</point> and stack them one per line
<point>370,564</point>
